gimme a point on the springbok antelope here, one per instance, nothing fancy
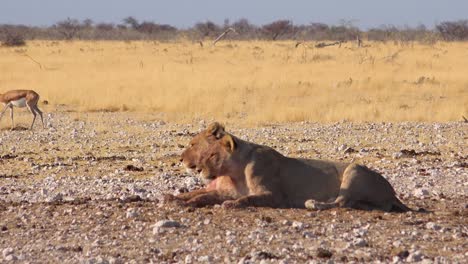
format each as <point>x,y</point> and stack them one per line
<point>21,98</point>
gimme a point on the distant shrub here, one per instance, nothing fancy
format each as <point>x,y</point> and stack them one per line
<point>207,29</point>
<point>277,28</point>
<point>13,40</point>
<point>453,31</point>
<point>132,29</point>
<point>70,28</point>
<point>105,26</point>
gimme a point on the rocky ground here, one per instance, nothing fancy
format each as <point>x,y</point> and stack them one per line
<point>88,189</point>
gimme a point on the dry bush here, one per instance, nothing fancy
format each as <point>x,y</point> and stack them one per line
<point>277,29</point>
<point>132,29</point>
<point>253,82</point>
<point>453,31</point>
<point>14,40</point>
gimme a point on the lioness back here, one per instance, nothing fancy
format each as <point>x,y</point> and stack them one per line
<point>303,179</point>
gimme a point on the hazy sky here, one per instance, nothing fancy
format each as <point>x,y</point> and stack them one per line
<point>184,13</point>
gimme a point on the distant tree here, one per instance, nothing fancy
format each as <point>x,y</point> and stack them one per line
<point>166,27</point>
<point>131,21</point>
<point>88,23</point>
<point>147,27</point>
<point>345,30</point>
<point>69,28</point>
<point>419,32</point>
<point>317,31</point>
<point>277,28</point>
<point>105,26</point>
<point>451,31</point>
<point>319,27</point>
<point>226,23</point>
<point>207,28</point>
<point>121,26</point>
<point>243,26</point>
<point>16,31</point>
<point>151,28</point>
<point>131,29</point>
<point>13,39</point>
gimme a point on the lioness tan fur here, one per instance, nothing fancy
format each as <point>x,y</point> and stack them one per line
<point>264,177</point>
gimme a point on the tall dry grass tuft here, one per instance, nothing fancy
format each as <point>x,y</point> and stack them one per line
<point>247,81</point>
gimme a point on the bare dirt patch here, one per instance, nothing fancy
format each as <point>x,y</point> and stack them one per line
<point>91,191</point>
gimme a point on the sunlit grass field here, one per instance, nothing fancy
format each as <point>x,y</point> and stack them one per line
<point>253,82</point>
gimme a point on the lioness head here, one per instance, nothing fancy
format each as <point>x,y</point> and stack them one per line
<point>200,143</point>
<point>217,158</point>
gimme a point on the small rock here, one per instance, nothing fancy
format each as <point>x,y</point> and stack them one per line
<point>130,198</point>
<point>428,261</point>
<point>56,198</point>
<point>188,259</point>
<point>342,147</point>
<point>359,232</point>
<point>10,257</point>
<point>205,259</point>
<point>235,251</point>
<point>396,243</point>
<point>349,150</point>
<point>298,225</point>
<point>359,242</point>
<point>415,256</point>
<point>131,167</point>
<point>132,213</point>
<point>420,192</point>
<point>101,260</point>
<point>403,254</point>
<point>433,226</point>
<point>167,224</point>
<point>7,251</point>
<point>308,235</point>
<point>324,253</point>
<point>397,155</point>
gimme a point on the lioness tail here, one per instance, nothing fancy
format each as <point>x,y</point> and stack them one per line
<point>398,206</point>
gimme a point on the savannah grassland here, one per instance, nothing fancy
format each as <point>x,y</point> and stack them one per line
<point>254,82</point>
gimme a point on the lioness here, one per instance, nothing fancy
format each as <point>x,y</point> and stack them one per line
<point>262,176</point>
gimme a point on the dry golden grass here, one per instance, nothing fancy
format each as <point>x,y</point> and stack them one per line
<point>253,82</point>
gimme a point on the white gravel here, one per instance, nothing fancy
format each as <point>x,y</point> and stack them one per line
<point>69,194</point>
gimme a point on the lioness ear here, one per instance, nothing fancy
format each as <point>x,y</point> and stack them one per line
<point>229,143</point>
<point>216,129</point>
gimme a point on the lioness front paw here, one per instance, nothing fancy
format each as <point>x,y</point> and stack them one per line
<point>231,204</point>
<point>169,198</point>
<point>315,205</point>
<point>194,202</point>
